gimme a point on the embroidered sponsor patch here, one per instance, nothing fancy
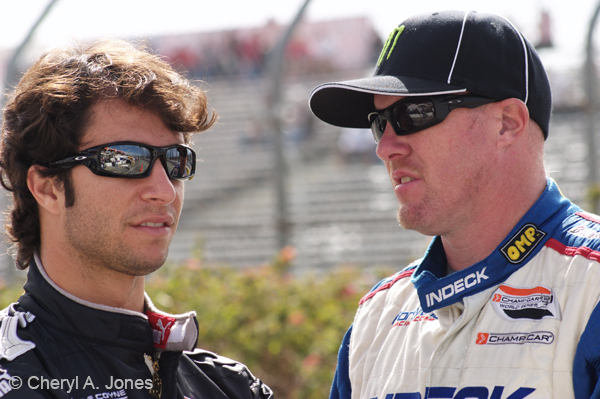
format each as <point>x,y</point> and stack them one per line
<point>516,338</point>
<point>585,232</point>
<point>523,243</point>
<point>161,328</point>
<point>404,319</point>
<point>535,303</point>
<point>456,287</point>
<point>11,346</point>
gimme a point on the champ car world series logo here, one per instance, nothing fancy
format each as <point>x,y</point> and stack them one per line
<point>535,303</point>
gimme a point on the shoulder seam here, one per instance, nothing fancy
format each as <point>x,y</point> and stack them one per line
<point>588,216</point>
<point>573,251</point>
<point>388,285</point>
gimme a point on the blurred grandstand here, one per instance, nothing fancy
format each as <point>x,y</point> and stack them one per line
<point>340,203</point>
<point>341,208</point>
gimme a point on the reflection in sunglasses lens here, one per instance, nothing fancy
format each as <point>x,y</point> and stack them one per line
<point>135,160</point>
<point>125,159</point>
<point>179,162</point>
<point>410,115</point>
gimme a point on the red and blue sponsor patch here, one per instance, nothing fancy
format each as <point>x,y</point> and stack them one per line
<point>536,303</point>
<point>404,319</point>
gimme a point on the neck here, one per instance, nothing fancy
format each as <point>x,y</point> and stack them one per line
<point>476,242</point>
<point>94,284</point>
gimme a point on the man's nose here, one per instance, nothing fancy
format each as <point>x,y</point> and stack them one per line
<point>391,145</point>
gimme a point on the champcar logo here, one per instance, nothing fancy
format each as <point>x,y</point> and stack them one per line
<point>536,337</point>
<point>535,303</point>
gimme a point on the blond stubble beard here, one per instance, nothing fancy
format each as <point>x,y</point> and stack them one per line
<point>431,220</point>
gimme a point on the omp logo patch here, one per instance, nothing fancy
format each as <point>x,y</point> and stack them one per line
<point>522,243</point>
<point>404,319</point>
<point>518,338</point>
<point>535,303</point>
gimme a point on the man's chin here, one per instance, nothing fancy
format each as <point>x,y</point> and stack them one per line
<point>144,267</point>
<point>410,218</point>
<point>407,218</point>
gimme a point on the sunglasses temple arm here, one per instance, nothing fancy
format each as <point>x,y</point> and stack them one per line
<point>471,104</point>
<point>70,161</point>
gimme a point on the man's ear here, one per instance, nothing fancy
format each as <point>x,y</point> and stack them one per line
<point>45,190</point>
<point>515,120</point>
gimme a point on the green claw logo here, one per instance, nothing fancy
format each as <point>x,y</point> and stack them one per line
<point>390,43</point>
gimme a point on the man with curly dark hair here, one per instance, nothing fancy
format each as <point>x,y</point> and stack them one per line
<point>95,151</point>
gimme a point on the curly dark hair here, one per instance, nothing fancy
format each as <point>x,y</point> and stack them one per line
<point>47,113</point>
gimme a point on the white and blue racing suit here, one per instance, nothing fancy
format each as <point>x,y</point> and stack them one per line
<point>522,323</point>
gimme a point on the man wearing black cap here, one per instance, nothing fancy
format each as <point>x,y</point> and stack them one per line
<point>504,302</point>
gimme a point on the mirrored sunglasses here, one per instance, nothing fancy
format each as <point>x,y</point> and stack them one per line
<point>133,160</point>
<point>413,114</point>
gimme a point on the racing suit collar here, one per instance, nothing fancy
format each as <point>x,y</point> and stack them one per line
<point>437,290</point>
<point>114,326</point>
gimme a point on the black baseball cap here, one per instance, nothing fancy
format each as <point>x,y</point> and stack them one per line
<point>443,53</point>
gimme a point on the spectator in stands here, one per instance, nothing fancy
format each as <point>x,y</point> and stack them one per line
<point>89,231</point>
<point>504,302</point>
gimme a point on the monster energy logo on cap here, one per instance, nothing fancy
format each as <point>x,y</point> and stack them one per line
<point>389,45</point>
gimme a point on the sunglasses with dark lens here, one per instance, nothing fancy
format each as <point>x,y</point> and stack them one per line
<point>413,114</point>
<point>133,160</point>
